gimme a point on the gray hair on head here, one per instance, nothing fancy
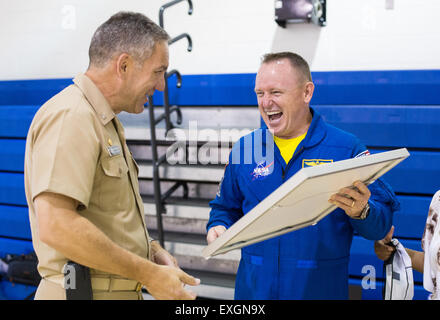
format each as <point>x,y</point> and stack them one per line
<point>125,32</point>
<point>296,61</point>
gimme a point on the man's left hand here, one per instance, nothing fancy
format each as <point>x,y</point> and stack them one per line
<point>352,199</point>
<point>161,256</point>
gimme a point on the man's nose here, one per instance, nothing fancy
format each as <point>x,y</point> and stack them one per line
<point>265,101</point>
<point>160,86</point>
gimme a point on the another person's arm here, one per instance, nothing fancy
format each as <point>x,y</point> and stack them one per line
<point>62,228</point>
<point>417,259</point>
<point>384,251</point>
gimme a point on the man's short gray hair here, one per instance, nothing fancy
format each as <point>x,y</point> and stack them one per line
<point>296,61</point>
<point>125,32</point>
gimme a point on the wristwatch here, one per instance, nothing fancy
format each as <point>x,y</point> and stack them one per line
<point>364,213</point>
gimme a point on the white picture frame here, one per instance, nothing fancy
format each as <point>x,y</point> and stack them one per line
<point>302,200</point>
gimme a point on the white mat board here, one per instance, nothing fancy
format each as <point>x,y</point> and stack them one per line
<point>302,200</point>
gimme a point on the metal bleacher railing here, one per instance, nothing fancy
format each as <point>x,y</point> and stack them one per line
<point>156,160</point>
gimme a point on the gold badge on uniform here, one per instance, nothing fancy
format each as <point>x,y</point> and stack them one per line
<point>315,162</point>
<point>113,150</point>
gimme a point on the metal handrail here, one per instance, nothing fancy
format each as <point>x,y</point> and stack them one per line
<point>178,75</point>
<point>156,179</point>
<point>166,102</point>
<point>160,198</point>
<point>172,3</point>
<point>181,36</point>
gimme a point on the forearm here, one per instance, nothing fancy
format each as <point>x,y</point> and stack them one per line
<point>81,241</point>
<point>383,205</point>
<point>377,223</point>
<point>417,259</point>
<point>220,216</point>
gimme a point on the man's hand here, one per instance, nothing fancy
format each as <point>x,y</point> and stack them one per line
<point>161,256</point>
<point>214,233</point>
<point>382,250</point>
<point>352,200</point>
<point>167,283</point>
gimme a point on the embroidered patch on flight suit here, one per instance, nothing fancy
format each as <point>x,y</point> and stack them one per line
<point>362,154</point>
<point>315,162</point>
<point>262,170</point>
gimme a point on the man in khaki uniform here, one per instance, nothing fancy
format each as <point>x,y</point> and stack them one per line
<point>81,180</point>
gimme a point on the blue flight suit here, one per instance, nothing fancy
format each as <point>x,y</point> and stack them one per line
<point>309,263</point>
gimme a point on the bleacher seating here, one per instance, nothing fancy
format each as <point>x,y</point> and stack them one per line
<point>385,109</point>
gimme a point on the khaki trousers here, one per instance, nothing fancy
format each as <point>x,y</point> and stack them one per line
<point>49,290</point>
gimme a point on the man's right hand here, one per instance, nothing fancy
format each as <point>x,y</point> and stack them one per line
<point>382,250</point>
<point>167,283</point>
<point>214,233</point>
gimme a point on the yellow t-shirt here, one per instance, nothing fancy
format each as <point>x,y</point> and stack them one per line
<point>288,146</point>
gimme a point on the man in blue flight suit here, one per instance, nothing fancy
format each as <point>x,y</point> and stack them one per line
<point>309,263</point>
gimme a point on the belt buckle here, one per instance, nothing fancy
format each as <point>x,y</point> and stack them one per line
<point>138,287</point>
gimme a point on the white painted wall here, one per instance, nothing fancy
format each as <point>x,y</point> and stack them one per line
<point>50,38</point>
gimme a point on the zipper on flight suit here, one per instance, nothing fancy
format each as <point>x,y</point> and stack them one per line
<point>297,152</point>
<point>291,161</point>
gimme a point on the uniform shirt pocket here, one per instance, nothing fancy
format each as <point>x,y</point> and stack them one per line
<point>114,167</point>
<point>113,184</point>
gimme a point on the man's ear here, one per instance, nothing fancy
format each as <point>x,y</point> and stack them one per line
<point>308,91</point>
<point>123,64</point>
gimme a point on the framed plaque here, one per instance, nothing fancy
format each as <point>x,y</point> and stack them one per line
<point>302,200</point>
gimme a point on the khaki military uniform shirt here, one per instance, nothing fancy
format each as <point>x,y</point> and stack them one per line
<point>76,147</point>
